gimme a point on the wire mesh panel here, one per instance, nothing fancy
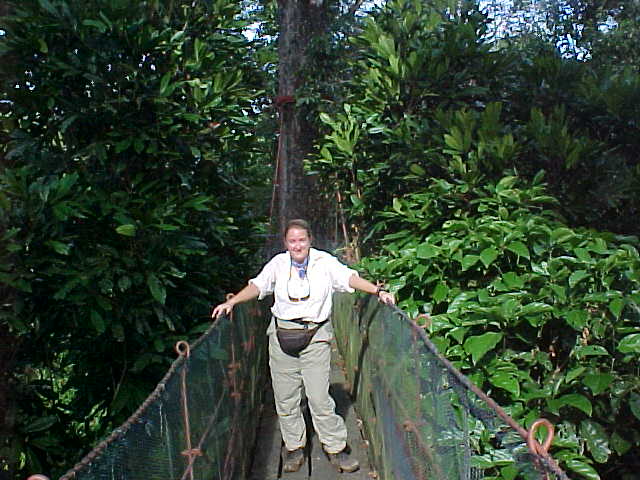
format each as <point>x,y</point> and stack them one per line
<point>423,418</point>
<point>200,421</point>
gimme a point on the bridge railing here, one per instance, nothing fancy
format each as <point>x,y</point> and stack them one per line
<point>422,417</point>
<point>200,421</point>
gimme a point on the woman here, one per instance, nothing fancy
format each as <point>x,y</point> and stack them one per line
<point>302,280</point>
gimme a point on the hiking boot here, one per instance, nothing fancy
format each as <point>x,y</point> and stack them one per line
<point>292,460</point>
<point>343,462</point>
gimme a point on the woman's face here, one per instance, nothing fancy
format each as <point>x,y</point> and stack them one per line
<point>297,243</point>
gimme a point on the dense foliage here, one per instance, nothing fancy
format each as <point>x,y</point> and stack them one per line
<point>130,193</point>
<point>133,181</point>
<point>440,144</point>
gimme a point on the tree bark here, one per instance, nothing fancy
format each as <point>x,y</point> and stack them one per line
<point>296,194</point>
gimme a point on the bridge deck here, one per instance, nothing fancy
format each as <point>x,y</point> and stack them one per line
<point>267,463</point>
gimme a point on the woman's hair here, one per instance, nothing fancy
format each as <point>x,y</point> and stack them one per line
<point>297,223</point>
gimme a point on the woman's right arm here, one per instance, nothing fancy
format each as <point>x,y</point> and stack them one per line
<point>247,293</point>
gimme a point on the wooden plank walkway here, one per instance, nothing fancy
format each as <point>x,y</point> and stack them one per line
<point>267,464</point>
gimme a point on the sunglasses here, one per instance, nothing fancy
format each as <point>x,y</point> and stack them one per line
<point>298,290</point>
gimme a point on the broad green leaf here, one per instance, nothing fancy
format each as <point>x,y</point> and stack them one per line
<point>479,345</point>
<point>460,300</point>
<point>59,247</point>
<point>634,404</point>
<point>577,318</point>
<point>598,382</point>
<point>619,444</point>
<point>440,292</point>
<point>127,230</point>
<point>597,440</point>
<point>583,255</point>
<point>97,24</point>
<point>488,255</point>
<point>573,400</point>
<point>97,322</point>
<point>576,277</point>
<point>157,288</point>
<point>535,307</point>
<point>507,381</point>
<point>616,306</point>
<point>562,234</point>
<point>426,250</point>
<point>630,344</point>
<point>519,249</point>
<point>417,170</point>
<point>589,351</point>
<point>513,280</point>
<point>510,472</point>
<point>573,374</point>
<point>164,84</point>
<point>40,424</point>
<point>583,469</point>
<point>469,261</point>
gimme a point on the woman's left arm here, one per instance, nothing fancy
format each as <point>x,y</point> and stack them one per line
<point>366,286</point>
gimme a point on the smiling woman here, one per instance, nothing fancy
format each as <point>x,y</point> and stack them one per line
<point>302,281</point>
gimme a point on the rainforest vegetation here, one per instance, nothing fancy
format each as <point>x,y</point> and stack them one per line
<point>480,157</point>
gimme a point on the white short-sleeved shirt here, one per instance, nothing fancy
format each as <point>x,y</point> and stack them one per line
<point>325,275</point>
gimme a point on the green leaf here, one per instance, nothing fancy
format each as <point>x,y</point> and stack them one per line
<point>127,230</point>
<point>630,344</point>
<point>488,255</point>
<point>589,351</point>
<point>157,288</point>
<point>426,250</point>
<point>440,292</point>
<point>597,440</point>
<point>469,261</point>
<point>598,382</point>
<point>562,234</point>
<point>165,90</point>
<point>616,306</point>
<point>97,322</point>
<point>417,170</point>
<point>40,424</point>
<point>634,404</point>
<point>619,444</point>
<point>573,400</point>
<point>582,468</point>
<point>507,381</point>
<point>59,247</point>
<point>574,373</point>
<point>535,307</point>
<point>95,23</point>
<point>460,301</point>
<point>576,277</point>
<point>479,345</point>
<point>577,319</point>
<point>519,249</point>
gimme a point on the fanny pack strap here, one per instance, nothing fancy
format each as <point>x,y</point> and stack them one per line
<point>306,325</point>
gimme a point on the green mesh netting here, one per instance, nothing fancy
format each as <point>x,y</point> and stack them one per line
<point>421,416</point>
<point>224,377</point>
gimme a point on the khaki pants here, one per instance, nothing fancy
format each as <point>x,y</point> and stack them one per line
<point>288,375</point>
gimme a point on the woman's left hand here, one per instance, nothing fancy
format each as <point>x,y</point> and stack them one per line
<point>386,297</point>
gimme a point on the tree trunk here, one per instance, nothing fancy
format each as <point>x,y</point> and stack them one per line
<point>296,194</point>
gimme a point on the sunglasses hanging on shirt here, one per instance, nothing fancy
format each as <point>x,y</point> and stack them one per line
<point>299,289</point>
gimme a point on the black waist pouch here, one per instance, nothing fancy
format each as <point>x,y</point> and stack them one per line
<point>293,340</point>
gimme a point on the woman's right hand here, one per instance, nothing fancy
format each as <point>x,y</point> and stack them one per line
<point>222,309</point>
